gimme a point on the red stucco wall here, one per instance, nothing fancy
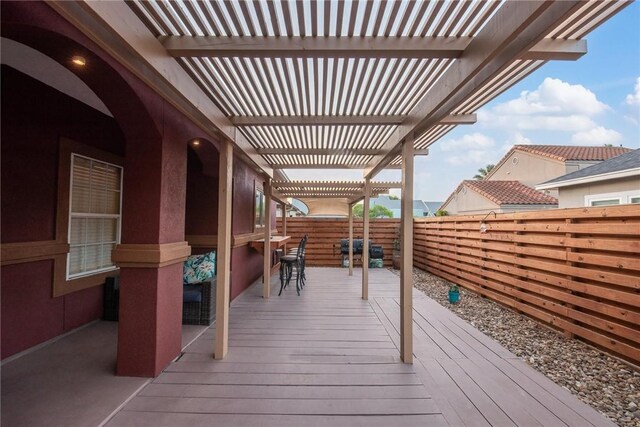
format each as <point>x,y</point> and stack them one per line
<point>30,137</point>
<point>201,216</point>
<point>246,263</point>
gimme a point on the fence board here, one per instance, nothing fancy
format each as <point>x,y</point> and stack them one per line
<point>577,270</point>
<point>323,247</point>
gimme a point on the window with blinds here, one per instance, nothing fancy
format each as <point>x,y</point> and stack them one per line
<point>94,215</point>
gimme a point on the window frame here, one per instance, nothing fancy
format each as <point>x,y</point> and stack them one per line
<point>62,286</point>
<point>258,189</point>
<point>71,215</point>
<point>623,197</point>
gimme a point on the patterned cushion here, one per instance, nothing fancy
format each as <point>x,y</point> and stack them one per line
<point>199,268</point>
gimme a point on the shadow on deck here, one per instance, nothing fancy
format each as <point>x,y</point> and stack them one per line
<point>329,358</point>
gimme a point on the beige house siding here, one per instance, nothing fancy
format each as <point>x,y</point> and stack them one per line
<point>573,166</point>
<point>574,196</point>
<point>529,169</point>
<point>469,203</point>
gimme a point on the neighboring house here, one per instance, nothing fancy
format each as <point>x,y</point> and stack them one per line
<point>534,164</point>
<point>531,165</point>
<point>478,197</point>
<point>613,182</point>
<point>420,208</point>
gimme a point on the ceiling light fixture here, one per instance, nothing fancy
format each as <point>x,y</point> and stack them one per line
<point>79,61</point>
<point>196,142</point>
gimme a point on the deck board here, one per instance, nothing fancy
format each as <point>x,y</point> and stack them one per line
<point>328,358</point>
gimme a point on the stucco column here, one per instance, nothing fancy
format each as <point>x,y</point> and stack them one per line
<point>151,255</point>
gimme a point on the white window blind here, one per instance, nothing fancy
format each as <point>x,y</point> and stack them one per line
<point>94,220</point>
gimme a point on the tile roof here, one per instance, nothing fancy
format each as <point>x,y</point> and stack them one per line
<point>510,193</point>
<point>564,153</point>
<point>627,161</point>
<point>572,152</point>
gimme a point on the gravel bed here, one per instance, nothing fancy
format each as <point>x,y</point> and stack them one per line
<point>607,384</point>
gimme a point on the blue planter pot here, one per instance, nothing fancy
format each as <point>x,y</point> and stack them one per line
<point>454,297</point>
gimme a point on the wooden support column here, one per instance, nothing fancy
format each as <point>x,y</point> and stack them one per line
<point>284,225</point>
<point>406,254</point>
<point>365,241</point>
<point>350,240</point>
<point>224,249</point>
<point>266,275</point>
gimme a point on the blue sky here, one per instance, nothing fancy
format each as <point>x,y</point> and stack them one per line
<point>592,101</point>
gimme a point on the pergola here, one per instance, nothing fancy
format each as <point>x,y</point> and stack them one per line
<point>333,84</point>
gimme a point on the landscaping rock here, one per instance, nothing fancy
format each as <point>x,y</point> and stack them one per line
<point>607,384</point>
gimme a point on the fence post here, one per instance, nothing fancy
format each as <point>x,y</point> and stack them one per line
<point>568,250</point>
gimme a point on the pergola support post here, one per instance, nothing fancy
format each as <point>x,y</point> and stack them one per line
<point>284,224</point>
<point>350,240</point>
<point>406,253</point>
<point>224,249</point>
<point>266,278</point>
<point>365,242</point>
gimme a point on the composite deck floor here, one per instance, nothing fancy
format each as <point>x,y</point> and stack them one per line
<point>329,358</point>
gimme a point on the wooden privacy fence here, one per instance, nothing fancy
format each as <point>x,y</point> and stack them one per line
<point>577,270</point>
<point>323,246</point>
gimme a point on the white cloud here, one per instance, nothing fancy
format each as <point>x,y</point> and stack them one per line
<point>634,98</point>
<point>474,148</point>
<point>632,120</point>
<point>470,141</point>
<point>554,96</point>
<point>567,123</point>
<point>554,105</point>
<point>519,139</point>
<point>596,136</point>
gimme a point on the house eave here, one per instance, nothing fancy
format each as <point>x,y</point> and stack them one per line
<point>589,179</point>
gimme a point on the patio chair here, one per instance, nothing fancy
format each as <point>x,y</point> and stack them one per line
<point>199,289</point>
<point>287,264</point>
<point>293,251</point>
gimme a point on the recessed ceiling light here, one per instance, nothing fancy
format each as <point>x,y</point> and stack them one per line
<point>79,61</point>
<point>196,142</point>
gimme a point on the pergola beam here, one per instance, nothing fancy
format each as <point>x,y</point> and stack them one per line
<point>514,30</point>
<point>315,120</point>
<point>335,196</point>
<point>557,50</point>
<point>326,152</point>
<point>349,47</point>
<point>328,166</point>
<point>457,119</point>
<point>278,197</point>
<point>454,119</point>
<point>314,47</point>
<point>333,184</point>
<point>317,151</point>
